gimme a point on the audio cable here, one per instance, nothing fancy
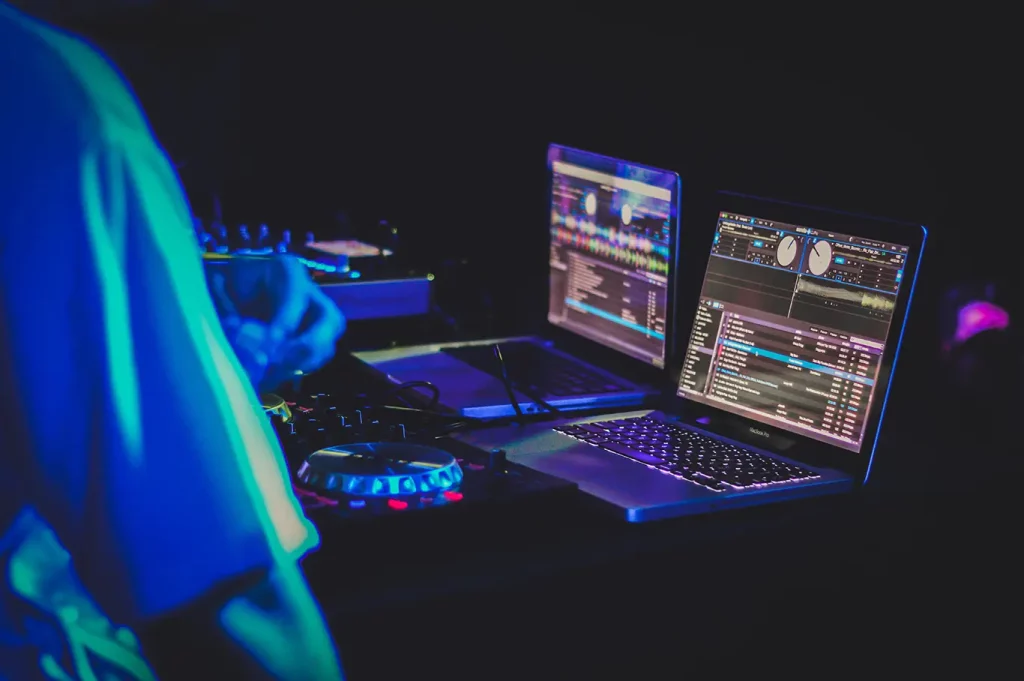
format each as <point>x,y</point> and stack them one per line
<point>507,382</point>
<point>435,392</point>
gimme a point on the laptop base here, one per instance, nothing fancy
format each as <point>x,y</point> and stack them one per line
<point>636,492</point>
<point>465,390</point>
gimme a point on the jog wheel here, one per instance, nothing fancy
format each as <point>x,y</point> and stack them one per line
<point>383,469</point>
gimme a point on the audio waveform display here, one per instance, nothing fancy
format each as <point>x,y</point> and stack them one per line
<point>619,237</point>
<point>598,246</point>
<point>862,298</point>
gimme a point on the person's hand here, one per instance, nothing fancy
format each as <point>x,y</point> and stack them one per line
<point>279,322</point>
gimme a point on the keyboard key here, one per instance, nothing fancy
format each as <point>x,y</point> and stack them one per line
<point>632,454</point>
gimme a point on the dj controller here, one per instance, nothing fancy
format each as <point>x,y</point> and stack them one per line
<point>356,465</point>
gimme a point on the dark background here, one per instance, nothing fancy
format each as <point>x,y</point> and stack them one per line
<point>437,118</point>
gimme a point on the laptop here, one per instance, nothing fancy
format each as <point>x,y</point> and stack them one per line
<point>611,257</point>
<point>784,373</point>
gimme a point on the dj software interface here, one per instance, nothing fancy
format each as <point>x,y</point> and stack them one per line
<point>791,326</point>
<point>611,232</point>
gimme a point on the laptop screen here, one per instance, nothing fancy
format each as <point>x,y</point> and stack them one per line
<point>611,251</point>
<point>791,326</point>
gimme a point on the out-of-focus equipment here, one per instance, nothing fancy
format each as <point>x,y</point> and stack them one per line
<point>365,280</point>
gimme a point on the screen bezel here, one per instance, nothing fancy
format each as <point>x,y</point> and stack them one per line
<point>609,358</point>
<point>793,444</point>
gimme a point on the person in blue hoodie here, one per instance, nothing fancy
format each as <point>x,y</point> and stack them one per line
<point>140,481</point>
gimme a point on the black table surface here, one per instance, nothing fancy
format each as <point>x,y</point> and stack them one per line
<point>916,562</point>
<point>362,569</point>
<point>572,590</point>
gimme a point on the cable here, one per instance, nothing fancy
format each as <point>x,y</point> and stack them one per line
<point>435,392</point>
<point>511,394</point>
<point>424,412</point>
<point>507,382</point>
<point>547,407</point>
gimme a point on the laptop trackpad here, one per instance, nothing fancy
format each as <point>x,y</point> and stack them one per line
<point>608,476</point>
<point>461,386</point>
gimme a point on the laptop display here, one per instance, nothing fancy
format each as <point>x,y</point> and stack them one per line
<point>611,250</point>
<point>791,327</point>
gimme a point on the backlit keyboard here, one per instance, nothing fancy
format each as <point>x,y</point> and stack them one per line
<point>687,454</point>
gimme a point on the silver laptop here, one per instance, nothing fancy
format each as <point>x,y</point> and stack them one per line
<point>613,227</point>
<point>784,376</point>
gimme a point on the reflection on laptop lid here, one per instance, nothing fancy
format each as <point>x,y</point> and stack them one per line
<point>613,226</point>
<point>797,327</point>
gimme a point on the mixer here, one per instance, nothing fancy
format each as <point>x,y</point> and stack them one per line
<point>365,281</point>
<point>334,256</point>
<point>357,464</point>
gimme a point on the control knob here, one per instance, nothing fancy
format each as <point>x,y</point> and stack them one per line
<point>285,244</point>
<point>497,460</point>
<point>244,238</point>
<point>220,237</point>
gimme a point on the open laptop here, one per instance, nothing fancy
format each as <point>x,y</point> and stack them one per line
<point>612,232</point>
<point>784,377</point>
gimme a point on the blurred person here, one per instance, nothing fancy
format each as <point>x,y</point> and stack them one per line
<point>145,507</point>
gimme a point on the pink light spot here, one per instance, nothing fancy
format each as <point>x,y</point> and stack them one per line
<point>978,316</point>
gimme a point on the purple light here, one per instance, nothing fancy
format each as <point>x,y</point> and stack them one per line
<point>978,316</point>
<point>312,500</point>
